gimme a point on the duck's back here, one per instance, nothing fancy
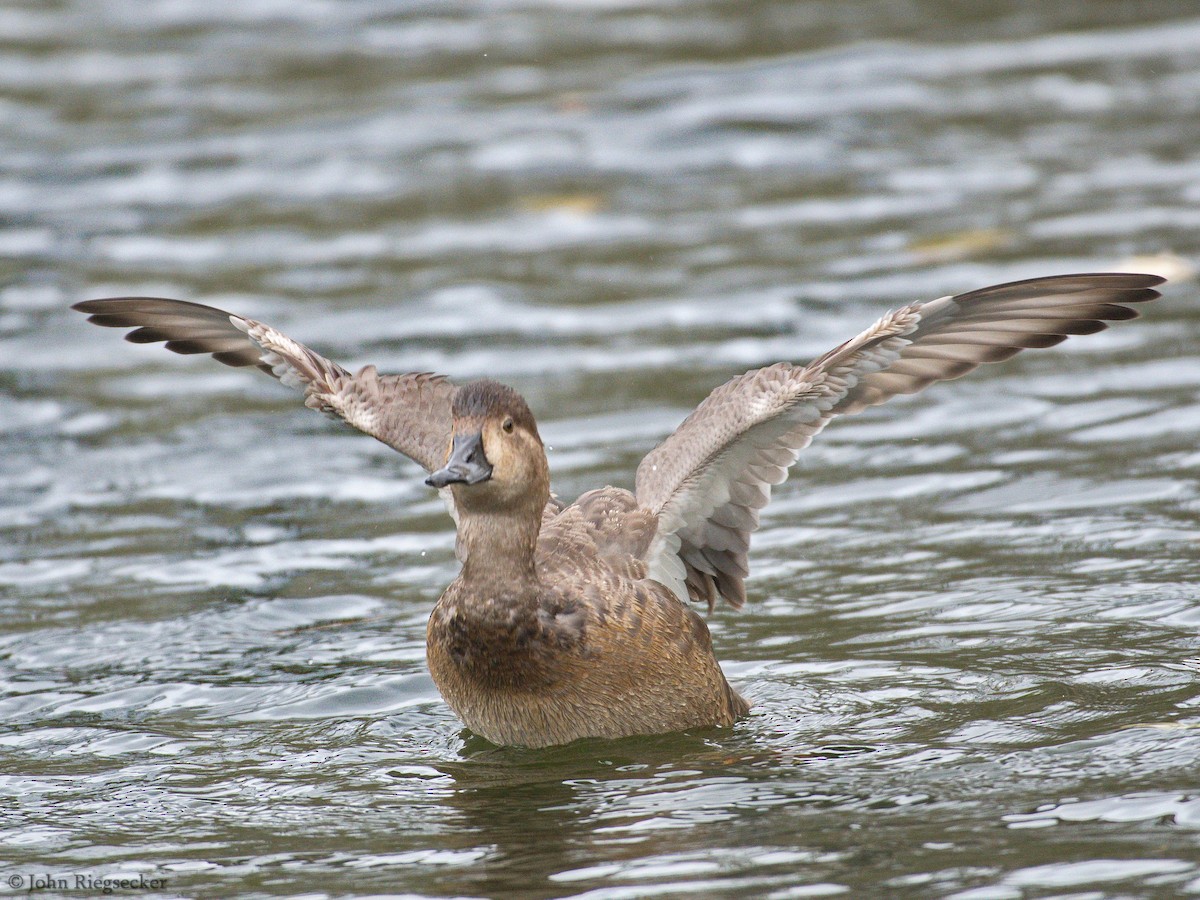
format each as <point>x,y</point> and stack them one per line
<point>600,651</point>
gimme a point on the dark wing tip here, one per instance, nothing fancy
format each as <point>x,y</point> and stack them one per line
<point>144,305</point>
<point>1143,295</point>
<point>143,335</point>
<point>1132,279</point>
<point>1148,280</point>
<point>1132,287</point>
<point>182,326</point>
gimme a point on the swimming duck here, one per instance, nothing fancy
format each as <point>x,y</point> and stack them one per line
<point>573,620</point>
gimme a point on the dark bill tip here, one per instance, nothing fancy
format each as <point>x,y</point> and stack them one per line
<point>467,463</point>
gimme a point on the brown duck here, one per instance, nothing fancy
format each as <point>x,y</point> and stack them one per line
<point>571,621</point>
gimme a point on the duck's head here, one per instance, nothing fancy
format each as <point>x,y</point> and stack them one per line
<point>495,458</point>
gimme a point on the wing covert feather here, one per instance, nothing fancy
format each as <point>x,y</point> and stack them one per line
<point>410,413</point>
<point>708,480</point>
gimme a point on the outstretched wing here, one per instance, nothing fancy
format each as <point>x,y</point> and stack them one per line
<point>410,413</point>
<point>708,480</point>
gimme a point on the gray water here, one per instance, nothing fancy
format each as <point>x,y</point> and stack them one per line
<point>972,637</point>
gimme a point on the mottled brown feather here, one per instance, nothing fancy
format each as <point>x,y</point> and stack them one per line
<point>589,647</point>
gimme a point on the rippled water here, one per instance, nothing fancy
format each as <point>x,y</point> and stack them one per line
<point>972,638</point>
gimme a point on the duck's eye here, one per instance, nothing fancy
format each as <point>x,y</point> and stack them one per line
<point>508,425</point>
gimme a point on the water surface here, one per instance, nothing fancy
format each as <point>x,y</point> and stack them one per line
<point>972,637</point>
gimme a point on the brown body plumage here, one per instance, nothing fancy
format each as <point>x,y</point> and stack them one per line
<point>578,642</point>
<point>572,621</point>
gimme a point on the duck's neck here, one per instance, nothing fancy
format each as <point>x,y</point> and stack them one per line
<point>499,546</point>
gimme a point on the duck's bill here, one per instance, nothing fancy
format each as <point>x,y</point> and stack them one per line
<point>467,463</point>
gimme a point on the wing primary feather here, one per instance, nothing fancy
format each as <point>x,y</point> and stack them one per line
<point>410,412</point>
<point>709,479</point>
